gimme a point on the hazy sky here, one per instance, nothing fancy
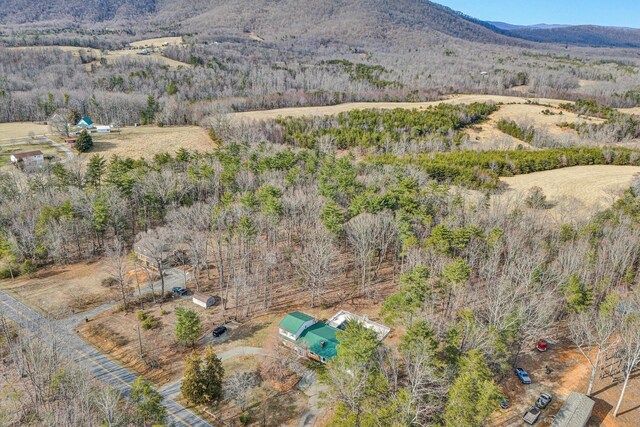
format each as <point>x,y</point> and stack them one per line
<point>620,13</point>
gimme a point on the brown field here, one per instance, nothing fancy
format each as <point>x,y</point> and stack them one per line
<point>146,141</point>
<point>115,54</point>
<point>64,289</point>
<point>16,130</point>
<point>487,132</point>
<point>153,56</point>
<point>634,110</point>
<point>335,109</point>
<point>579,190</point>
<point>157,42</point>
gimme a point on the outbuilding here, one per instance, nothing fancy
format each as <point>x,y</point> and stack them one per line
<point>28,158</point>
<point>575,411</point>
<point>103,129</point>
<point>203,300</point>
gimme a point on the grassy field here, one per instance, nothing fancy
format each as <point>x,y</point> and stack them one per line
<point>578,190</point>
<point>157,42</point>
<point>15,130</point>
<point>146,141</point>
<point>335,109</point>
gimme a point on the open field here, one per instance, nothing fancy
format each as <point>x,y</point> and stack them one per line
<point>112,55</point>
<point>582,189</point>
<point>146,141</point>
<point>335,109</point>
<point>157,42</point>
<point>63,290</point>
<point>14,130</point>
<point>526,114</point>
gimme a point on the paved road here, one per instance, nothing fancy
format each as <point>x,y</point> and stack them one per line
<point>95,362</point>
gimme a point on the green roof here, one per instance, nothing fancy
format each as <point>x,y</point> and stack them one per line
<point>85,121</point>
<point>314,337</point>
<point>293,321</point>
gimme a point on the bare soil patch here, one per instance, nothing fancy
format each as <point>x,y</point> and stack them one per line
<point>63,290</point>
<point>569,372</point>
<point>146,141</point>
<point>580,189</point>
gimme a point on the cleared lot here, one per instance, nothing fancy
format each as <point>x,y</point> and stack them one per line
<point>63,290</point>
<point>582,189</point>
<point>146,141</point>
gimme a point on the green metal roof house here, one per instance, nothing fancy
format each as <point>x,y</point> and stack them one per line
<point>294,324</point>
<point>85,122</point>
<point>308,337</point>
<point>320,340</point>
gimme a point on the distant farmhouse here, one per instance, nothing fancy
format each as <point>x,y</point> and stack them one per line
<point>28,159</point>
<point>85,123</point>
<point>317,340</point>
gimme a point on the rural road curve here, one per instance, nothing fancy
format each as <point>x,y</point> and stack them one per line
<point>95,362</point>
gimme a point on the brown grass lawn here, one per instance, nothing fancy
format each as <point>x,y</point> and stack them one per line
<point>61,290</point>
<point>146,141</point>
<point>20,130</point>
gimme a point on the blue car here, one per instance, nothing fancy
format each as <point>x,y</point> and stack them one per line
<point>523,375</point>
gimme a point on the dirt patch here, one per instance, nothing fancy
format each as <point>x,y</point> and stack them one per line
<point>569,372</point>
<point>146,141</point>
<point>63,290</point>
<point>578,190</point>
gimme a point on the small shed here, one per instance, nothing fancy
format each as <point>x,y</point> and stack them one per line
<point>575,412</point>
<point>203,300</point>
<point>85,123</point>
<point>103,129</point>
<point>71,141</point>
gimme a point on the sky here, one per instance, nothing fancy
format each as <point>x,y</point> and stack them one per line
<point>618,13</point>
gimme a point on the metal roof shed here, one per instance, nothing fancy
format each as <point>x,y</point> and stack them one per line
<point>575,412</point>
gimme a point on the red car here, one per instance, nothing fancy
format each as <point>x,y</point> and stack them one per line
<point>542,345</point>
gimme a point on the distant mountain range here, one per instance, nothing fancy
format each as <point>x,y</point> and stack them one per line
<point>389,22</point>
<point>509,27</point>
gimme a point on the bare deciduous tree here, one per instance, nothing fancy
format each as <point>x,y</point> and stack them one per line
<point>592,333</point>
<point>314,259</point>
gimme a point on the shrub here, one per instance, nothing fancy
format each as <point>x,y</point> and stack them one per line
<point>28,268</point>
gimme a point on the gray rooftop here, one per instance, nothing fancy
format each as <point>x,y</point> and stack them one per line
<point>575,412</point>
